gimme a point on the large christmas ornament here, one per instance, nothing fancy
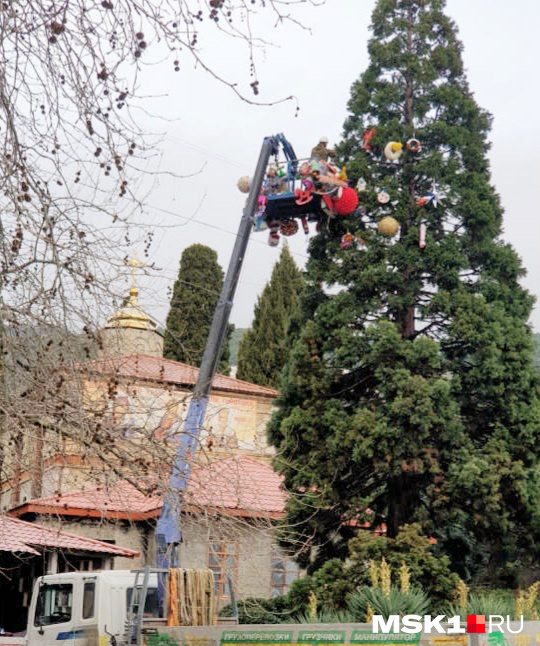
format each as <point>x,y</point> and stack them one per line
<point>347,241</point>
<point>304,170</point>
<point>432,199</point>
<point>361,185</point>
<point>307,184</point>
<point>346,201</point>
<point>273,234</point>
<point>273,182</point>
<point>388,226</point>
<point>288,227</point>
<point>360,243</point>
<point>361,211</point>
<point>303,197</point>
<point>383,197</point>
<point>393,150</point>
<point>422,236</point>
<point>414,146</point>
<point>368,136</point>
<point>244,184</point>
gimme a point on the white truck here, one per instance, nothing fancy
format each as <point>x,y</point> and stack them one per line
<point>103,608</point>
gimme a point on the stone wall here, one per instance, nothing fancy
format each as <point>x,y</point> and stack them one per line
<point>132,536</point>
<point>254,541</point>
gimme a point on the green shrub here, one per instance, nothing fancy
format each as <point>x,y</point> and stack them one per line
<point>332,585</point>
<point>428,571</point>
<point>260,611</point>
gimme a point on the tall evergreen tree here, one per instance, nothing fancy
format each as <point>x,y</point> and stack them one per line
<point>194,299</point>
<point>410,395</point>
<point>264,348</point>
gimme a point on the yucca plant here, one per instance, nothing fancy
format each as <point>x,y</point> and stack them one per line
<point>392,602</point>
<point>492,602</point>
<point>531,601</point>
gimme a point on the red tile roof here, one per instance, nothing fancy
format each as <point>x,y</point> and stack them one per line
<point>120,501</point>
<point>21,537</point>
<point>235,486</point>
<point>146,367</point>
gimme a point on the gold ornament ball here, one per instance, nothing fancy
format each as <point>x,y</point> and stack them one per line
<point>388,226</point>
<point>244,184</point>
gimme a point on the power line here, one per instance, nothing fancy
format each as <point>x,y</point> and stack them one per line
<point>206,151</point>
<point>213,226</point>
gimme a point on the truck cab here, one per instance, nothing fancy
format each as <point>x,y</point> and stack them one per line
<point>87,608</point>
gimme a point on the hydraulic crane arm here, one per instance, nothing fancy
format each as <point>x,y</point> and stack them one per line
<point>168,533</point>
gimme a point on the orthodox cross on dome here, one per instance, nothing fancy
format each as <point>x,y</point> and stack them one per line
<point>135,265</point>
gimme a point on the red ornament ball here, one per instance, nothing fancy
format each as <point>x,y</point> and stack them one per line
<point>347,202</point>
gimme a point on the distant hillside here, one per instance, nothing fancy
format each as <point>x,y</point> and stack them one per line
<point>537,350</point>
<point>236,337</point>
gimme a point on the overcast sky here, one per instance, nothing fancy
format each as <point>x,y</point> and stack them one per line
<point>210,132</point>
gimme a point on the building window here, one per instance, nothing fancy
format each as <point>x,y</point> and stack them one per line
<point>223,561</point>
<point>86,565</point>
<point>80,564</point>
<point>284,572</point>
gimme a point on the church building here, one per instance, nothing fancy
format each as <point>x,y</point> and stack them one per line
<point>107,480</point>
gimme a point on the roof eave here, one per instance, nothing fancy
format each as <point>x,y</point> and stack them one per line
<point>81,512</point>
<point>179,384</point>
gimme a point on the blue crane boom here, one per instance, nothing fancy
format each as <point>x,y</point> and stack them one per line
<point>168,532</point>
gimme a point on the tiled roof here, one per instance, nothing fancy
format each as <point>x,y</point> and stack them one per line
<point>236,486</point>
<point>121,501</point>
<point>144,366</point>
<point>18,536</point>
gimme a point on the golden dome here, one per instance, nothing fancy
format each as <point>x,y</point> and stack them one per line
<point>131,315</point>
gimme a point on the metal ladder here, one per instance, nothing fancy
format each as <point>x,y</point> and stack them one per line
<point>137,604</point>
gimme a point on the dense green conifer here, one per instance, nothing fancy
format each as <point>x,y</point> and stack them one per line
<point>410,395</point>
<point>194,299</point>
<point>264,348</point>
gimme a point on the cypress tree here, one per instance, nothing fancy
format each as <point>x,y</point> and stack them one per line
<point>264,347</point>
<point>410,394</point>
<point>194,299</point>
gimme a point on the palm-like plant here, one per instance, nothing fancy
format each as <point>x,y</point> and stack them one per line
<point>367,600</point>
<point>495,602</point>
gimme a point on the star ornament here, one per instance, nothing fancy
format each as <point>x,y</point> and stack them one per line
<point>431,198</point>
<point>436,197</point>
